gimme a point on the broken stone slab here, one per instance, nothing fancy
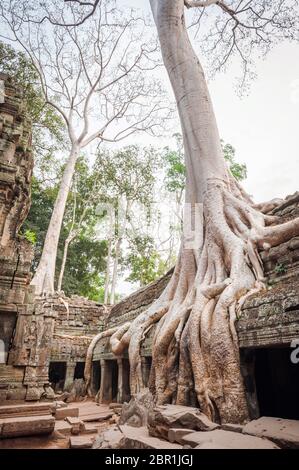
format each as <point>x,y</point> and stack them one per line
<point>139,438</point>
<point>63,427</point>
<point>284,432</point>
<point>232,427</point>
<point>33,409</point>
<point>219,439</point>
<point>62,413</point>
<point>90,429</point>
<point>100,416</point>
<point>176,434</point>
<point>81,442</point>
<point>162,418</point>
<point>110,439</point>
<point>26,426</point>
<point>76,424</point>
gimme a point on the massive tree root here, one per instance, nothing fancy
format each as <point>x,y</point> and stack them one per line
<point>195,346</point>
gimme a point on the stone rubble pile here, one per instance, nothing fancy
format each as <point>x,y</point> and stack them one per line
<point>177,427</point>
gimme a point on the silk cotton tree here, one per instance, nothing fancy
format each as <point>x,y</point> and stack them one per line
<point>195,346</point>
<point>97,77</point>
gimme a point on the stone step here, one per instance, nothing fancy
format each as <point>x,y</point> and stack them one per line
<point>285,432</point>
<point>33,409</point>
<point>81,442</point>
<point>26,426</point>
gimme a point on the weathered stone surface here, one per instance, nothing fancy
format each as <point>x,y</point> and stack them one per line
<point>139,438</point>
<point>34,409</point>
<point>81,442</point>
<point>26,426</point>
<point>100,416</point>
<point>285,432</point>
<point>63,427</point>
<point>232,427</point>
<point>176,434</point>
<point>136,412</point>
<point>111,439</point>
<point>220,439</point>
<point>162,418</point>
<point>62,413</point>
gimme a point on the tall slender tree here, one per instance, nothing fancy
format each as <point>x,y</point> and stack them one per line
<point>96,78</point>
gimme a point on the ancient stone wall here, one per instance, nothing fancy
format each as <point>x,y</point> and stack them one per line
<point>16,165</point>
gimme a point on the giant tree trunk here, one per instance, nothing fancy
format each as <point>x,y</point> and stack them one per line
<point>71,236</point>
<point>195,345</point>
<point>43,279</point>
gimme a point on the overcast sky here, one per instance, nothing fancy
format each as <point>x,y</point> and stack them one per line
<point>263,126</point>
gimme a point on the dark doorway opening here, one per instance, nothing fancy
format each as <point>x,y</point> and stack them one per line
<point>96,376</point>
<point>79,370</point>
<point>57,373</point>
<point>277,383</point>
<point>114,379</point>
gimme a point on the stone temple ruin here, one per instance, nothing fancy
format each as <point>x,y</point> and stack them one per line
<point>44,341</point>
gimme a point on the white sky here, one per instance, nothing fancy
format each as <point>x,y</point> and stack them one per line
<point>263,126</point>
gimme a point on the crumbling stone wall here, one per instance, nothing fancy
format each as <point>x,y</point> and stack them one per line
<point>16,165</point>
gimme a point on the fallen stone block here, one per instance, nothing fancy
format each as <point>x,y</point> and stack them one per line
<point>100,416</point>
<point>139,438</point>
<point>63,427</point>
<point>90,429</point>
<point>110,439</point>
<point>219,439</point>
<point>162,418</point>
<point>175,435</point>
<point>76,424</point>
<point>62,413</point>
<point>284,432</point>
<point>34,409</point>
<point>81,442</point>
<point>26,426</point>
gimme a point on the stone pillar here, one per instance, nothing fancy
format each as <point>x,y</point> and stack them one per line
<point>69,375</point>
<point>120,380</point>
<point>105,392</point>
<point>145,369</point>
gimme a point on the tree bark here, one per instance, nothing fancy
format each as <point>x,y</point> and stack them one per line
<point>67,242</point>
<point>43,279</point>
<point>107,276</point>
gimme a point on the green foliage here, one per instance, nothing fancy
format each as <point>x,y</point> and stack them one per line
<point>86,256</point>
<point>144,261</point>
<point>238,170</point>
<point>175,178</point>
<point>280,268</point>
<point>30,236</point>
